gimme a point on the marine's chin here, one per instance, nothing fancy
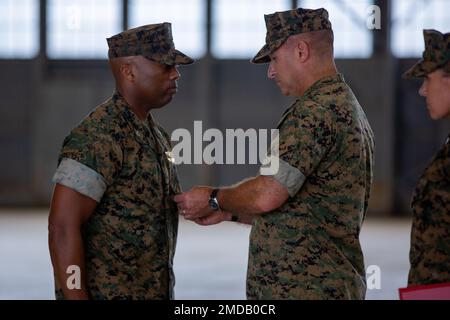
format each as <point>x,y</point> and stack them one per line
<point>164,102</point>
<point>169,98</point>
<point>286,92</point>
<point>283,90</point>
<point>433,114</point>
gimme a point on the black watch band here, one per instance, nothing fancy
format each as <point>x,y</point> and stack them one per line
<point>214,193</point>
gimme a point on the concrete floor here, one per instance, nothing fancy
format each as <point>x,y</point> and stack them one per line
<point>210,262</point>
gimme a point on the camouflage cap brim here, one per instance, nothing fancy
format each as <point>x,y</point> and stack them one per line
<point>422,68</point>
<point>419,70</point>
<point>181,58</point>
<point>263,55</point>
<point>171,58</point>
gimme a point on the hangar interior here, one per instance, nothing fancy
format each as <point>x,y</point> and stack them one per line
<point>54,70</point>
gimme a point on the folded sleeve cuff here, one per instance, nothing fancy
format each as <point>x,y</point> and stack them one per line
<point>80,178</point>
<point>290,177</point>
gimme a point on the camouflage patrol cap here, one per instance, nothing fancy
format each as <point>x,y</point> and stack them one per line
<point>281,25</point>
<point>435,56</point>
<point>153,41</point>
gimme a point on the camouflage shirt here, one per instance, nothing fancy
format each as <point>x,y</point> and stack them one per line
<point>430,237</point>
<point>124,164</point>
<point>309,247</point>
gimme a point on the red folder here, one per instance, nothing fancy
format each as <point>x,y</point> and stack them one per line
<point>440,291</point>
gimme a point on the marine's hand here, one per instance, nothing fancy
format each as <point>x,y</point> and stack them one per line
<point>194,203</point>
<point>213,218</point>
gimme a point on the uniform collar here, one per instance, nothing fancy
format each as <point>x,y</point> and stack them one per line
<point>146,132</point>
<point>141,129</point>
<point>316,88</point>
<point>323,83</point>
<point>130,116</point>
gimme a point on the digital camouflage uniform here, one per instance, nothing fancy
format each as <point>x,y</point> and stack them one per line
<point>430,235</point>
<point>309,247</point>
<point>125,164</point>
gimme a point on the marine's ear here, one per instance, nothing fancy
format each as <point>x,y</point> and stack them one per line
<point>122,69</point>
<point>127,71</point>
<point>302,50</point>
<point>300,46</point>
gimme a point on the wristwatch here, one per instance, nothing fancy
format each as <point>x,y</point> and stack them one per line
<point>213,203</point>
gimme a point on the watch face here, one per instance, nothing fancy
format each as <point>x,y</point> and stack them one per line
<point>213,204</point>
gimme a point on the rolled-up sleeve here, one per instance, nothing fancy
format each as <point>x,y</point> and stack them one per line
<point>288,176</point>
<point>305,136</point>
<point>80,178</point>
<point>89,161</point>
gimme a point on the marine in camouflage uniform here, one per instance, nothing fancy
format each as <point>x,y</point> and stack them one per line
<point>125,164</point>
<point>430,236</point>
<point>309,247</point>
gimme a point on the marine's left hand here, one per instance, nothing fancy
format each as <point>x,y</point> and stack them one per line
<point>194,204</point>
